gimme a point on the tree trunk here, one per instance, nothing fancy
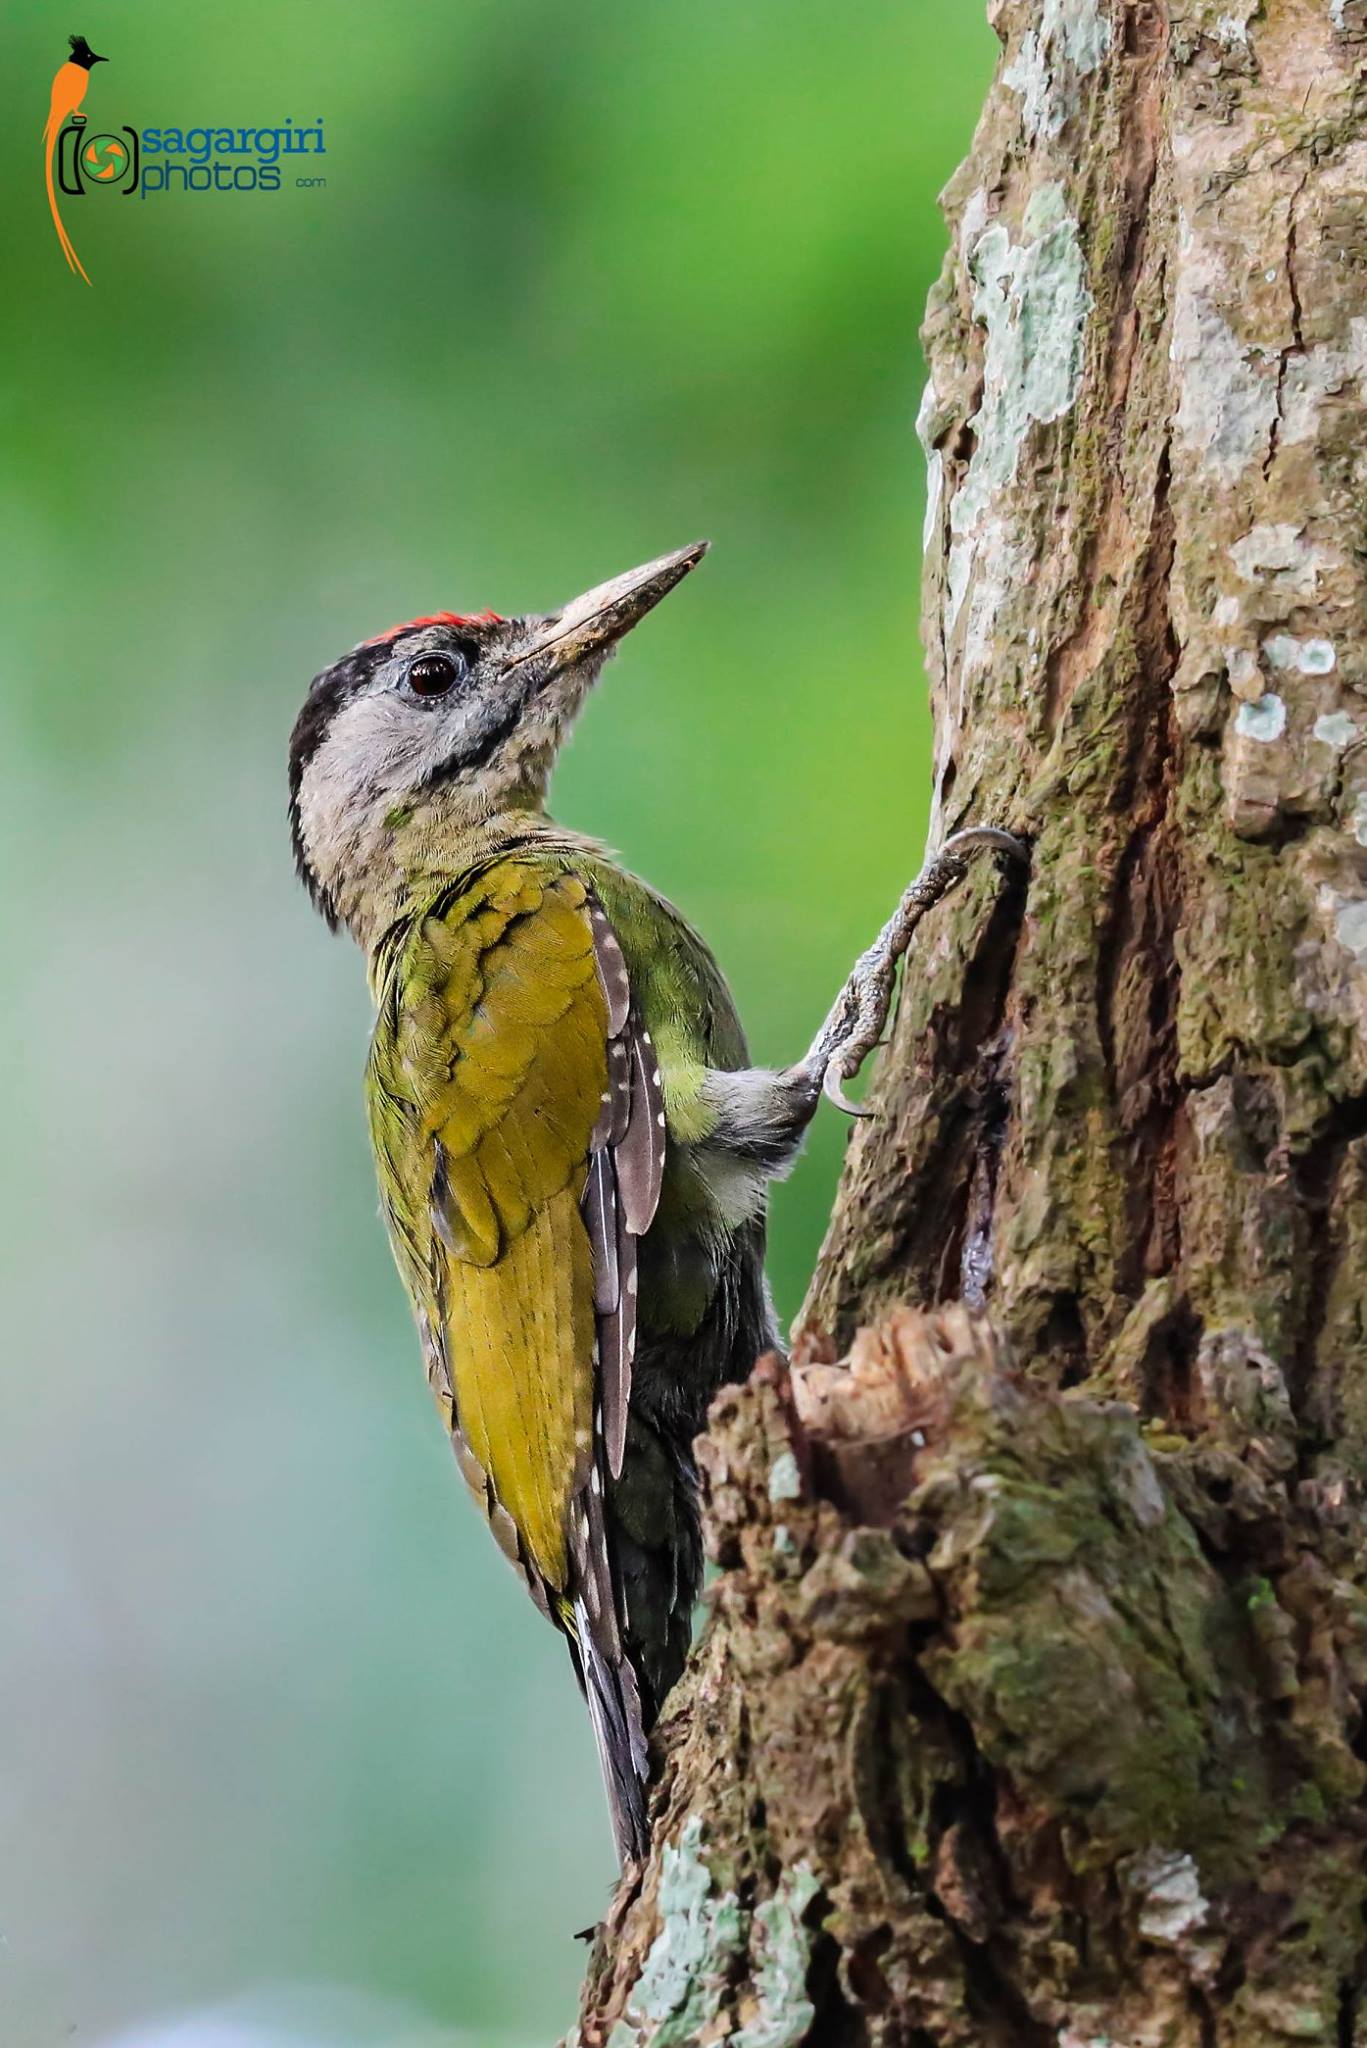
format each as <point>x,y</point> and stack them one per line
<point>1030,1706</point>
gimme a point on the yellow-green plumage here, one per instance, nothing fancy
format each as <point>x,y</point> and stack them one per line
<point>486,1074</point>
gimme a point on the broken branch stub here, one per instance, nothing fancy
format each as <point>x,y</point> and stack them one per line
<point>974,1643</point>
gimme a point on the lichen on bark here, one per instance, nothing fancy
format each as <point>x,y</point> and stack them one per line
<point>1039,1633</point>
<point>1006,1716</point>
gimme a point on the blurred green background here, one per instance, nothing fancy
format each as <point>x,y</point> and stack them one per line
<point>285,1756</point>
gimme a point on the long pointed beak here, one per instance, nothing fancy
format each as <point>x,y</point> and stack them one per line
<point>602,615</point>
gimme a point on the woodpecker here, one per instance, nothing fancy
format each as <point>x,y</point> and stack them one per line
<point>572,1145</point>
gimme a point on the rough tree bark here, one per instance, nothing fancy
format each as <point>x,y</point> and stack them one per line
<point>1030,1706</point>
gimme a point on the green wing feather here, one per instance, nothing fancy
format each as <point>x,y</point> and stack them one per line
<point>486,1077</point>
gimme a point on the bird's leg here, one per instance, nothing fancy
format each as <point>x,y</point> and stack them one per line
<point>756,1118</point>
<point>859,1013</point>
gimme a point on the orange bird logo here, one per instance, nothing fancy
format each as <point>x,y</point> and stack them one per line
<point>68,90</point>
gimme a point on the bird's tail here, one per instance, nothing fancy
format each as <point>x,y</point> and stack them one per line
<point>614,1704</point>
<point>68,248</point>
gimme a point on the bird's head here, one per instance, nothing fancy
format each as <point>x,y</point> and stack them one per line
<point>82,54</point>
<point>472,707</point>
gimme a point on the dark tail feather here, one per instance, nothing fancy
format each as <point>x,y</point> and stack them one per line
<point>619,1731</point>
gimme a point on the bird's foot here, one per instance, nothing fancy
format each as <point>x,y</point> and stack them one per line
<point>860,1012</point>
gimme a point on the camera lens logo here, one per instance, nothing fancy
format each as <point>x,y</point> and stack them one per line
<point>104,157</point>
<point>87,162</point>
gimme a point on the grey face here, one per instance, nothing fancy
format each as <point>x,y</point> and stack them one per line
<point>480,704</point>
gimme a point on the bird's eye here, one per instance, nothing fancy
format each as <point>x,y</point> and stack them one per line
<point>432,675</point>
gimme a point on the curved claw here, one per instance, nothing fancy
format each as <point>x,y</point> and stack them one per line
<point>834,1092</point>
<point>985,835</point>
<point>857,1019</point>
